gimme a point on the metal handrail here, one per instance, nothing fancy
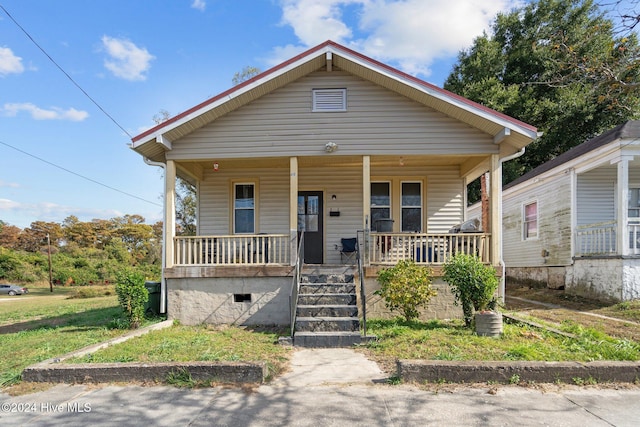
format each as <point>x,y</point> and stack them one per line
<point>295,286</point>
<point>363,298</point>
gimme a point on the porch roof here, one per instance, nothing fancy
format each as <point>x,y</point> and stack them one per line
<point>516,134</point>
<point>627,130</point>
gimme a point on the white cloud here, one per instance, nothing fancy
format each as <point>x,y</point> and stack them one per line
<point>38,113</point>
<point>9,184</point>
<point>9,63</point>
<point>6,205</point>
<point>200,5</point>
<point>126,60</point>
<point>409,34</point>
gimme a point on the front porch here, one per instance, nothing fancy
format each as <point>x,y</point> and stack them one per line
<point>279,250</point>
<point>601,239</point>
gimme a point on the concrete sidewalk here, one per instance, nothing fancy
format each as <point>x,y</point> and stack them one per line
<point>325,387</point>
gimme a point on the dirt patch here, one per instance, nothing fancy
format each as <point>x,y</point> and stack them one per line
<point>557,307</point>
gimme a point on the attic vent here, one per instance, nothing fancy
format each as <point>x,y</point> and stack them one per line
<point>325,100</point>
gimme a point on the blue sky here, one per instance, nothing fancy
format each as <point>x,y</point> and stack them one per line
<point>61,155</point>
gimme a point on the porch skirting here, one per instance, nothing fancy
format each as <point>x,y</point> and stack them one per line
<point>229,300</point>
<point>610,279</point>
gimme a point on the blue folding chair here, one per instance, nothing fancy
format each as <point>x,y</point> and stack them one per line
<point>348,251</point>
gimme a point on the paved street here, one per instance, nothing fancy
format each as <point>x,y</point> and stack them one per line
<point>336,387</point>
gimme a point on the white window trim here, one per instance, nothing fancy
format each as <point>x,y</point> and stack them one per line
<point>233,205</point>
<point>524,222</point>
<point>421,206</point>
<point>320,106</point>
<point>389,206</point>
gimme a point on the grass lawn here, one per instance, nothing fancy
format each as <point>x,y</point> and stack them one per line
<point>199,343</point>
<point>42,325</point>
<point>450,340</point>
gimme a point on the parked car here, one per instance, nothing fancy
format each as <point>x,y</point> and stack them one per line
<point>10,289</point>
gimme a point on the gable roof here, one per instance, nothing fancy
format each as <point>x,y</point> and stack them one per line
<point>629,129</point>
<point>153,142</point>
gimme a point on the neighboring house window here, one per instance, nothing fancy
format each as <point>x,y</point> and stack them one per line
<point>411,205</point>
<point>329,100</point>
<point>244,208</point>
<point>530,220</point>
<point>634,203</point>
<point>380,202</point>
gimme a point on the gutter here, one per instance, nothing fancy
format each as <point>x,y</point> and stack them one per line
<point>501,261</point>
<point>163,283</point>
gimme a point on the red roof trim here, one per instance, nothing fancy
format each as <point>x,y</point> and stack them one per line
<point>228,92</point>
<point>436,88</point>
<point>351,52</point>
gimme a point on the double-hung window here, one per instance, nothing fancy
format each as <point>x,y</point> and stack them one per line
<point>530,221</point>
<point>244,208</point>
<point>411,205</point>
<point>380,201</point>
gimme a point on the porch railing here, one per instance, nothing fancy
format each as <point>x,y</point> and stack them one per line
<point>295,285</point>
<point>363,293</point>
<point>389,248</point>
<point>245,249</point>
<point>601,238</point>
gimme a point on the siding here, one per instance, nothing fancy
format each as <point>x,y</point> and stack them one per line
<point>595,196</point>
<point>553,195</point>
<point>282,124</point>
<point>215,200</point>
<point>443,198</point>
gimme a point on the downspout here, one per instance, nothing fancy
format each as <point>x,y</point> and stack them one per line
<point>502,264</point>
<point>163,284</point>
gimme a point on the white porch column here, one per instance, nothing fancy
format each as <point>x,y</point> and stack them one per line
<point>169,212</point>
<point>293,207</point>
<point>366,192</point>
<point>495,197</point>
<point>622,215</point>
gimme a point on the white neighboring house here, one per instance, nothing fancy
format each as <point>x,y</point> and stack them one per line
<point>574,222</point>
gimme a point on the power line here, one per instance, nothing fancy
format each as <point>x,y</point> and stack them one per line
<point>65,73</point>
<point>90,98</point>
<point>79,175</point>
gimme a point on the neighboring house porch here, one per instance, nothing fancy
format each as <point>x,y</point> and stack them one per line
<point>574,222</point>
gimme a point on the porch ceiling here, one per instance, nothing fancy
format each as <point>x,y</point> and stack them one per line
<point>331,160</point>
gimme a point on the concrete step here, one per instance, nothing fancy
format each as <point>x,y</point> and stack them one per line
<point>327,324</point>
<point>327,299</point>
<point>327,311</point>
<point>326,339</point>
<point>327,288</point>
<point>327,278</point>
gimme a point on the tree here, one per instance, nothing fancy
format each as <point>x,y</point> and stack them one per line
<point>186,195</point>
<point>34,237</point>
<point>186,202</point>
<point>8,235</point>
<point>557,65</point>
<point>244,75</point>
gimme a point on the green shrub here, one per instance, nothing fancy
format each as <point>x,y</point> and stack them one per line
<point>406,287</point>
<point>132,296</point>
<point>473,284</point>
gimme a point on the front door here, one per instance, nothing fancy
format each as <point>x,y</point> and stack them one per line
<point>310,221</point>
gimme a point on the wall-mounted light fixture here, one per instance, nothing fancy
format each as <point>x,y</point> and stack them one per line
<point>334,197</point>
<point>330,147</point>
<point>216,166</point>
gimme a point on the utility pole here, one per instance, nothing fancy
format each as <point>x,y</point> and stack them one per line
<point>50,270</point>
